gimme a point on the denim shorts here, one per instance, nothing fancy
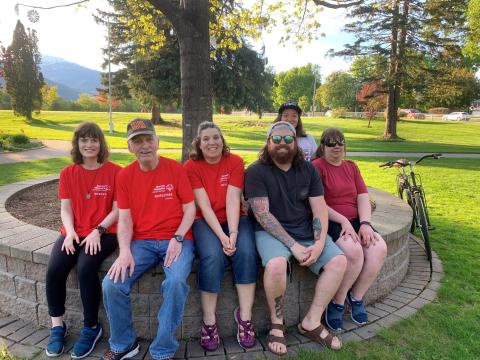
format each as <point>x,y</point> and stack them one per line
<point>213,261</point>
<point>269,247</point>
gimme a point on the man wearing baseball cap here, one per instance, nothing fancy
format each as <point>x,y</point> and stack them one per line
<point>156,211</point>
<point>285,194</point>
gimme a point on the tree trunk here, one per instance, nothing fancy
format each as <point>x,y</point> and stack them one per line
<point>194,41</point>
<point>156,116</point>
<point>390,131</point>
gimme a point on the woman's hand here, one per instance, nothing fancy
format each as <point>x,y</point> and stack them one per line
<point>348,230</point>
<point>68,244</point>
<point>367,235</point>
<point>228,248</point>
<point>92,243</point>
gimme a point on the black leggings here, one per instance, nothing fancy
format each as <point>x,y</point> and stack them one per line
<point>59,267</point>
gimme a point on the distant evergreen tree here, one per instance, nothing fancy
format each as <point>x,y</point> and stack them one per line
<point>22,75</point>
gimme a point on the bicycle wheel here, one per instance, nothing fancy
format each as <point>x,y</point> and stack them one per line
<point>406,195</point>
<point>424,202</point>
<point>422,222</point>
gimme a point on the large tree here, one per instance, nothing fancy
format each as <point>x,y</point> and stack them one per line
<point>23,78</point>
<point>338,90</point>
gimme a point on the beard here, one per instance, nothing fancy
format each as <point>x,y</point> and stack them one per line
<point>283,157</point>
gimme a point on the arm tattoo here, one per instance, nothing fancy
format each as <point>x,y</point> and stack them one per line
<point>279,307</point>
<point>270,224</point>
<point>317,228</point>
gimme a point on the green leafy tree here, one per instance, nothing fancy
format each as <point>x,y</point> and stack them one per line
<point>294,84</point>
<point>338,90</point>
<point>5,101</point>
<point>472,47</point>
<point>22,75</point>
<point>49,97</point>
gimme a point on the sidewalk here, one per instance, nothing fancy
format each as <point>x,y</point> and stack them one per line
<point>60,148</point>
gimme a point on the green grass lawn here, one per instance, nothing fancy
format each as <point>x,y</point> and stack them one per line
<point>448,328</point>
<point>248,132</point>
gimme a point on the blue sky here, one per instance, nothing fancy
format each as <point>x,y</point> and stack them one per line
<point>72,34</point>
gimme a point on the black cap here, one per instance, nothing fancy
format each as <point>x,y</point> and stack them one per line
<point>138,127</point>
<point>290,105</point>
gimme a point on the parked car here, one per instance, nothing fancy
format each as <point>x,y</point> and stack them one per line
<point>414,114</point>
<point>458,115</point>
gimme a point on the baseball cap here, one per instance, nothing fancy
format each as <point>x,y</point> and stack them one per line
<point>281,125</point>
<point>140,127</point>
<point>290,105</point>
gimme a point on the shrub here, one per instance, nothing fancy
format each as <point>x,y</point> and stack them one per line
<point>340,112</point>
<point>439,111</point>
<point>20,139</point>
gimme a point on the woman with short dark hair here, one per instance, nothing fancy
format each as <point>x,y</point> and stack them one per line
<point>88,236</point>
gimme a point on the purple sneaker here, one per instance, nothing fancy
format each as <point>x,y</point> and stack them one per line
<point>245,333</point>
<point>209,339</point>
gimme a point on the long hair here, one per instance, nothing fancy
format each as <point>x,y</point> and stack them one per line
<point>299,128</point>
<point>92,130</point>
<point>195,151</point>
<point>331,133</point>
<point>266,158</point>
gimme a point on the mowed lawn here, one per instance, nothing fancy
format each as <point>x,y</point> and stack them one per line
<point>248,132</point>
<point>448,328</point>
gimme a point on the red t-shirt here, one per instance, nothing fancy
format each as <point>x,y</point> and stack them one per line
<point>215,178</point>
<point>342,184</point>
<point>77,184</point>
<point>155,198</point>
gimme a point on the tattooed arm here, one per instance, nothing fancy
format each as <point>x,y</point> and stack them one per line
<point>320,227</point>
<point>261,209</point>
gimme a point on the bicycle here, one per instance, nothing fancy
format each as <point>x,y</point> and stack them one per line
<point>409,188</point>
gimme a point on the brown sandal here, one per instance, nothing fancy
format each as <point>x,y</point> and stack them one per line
<point>276,339</point>
<point>315,336</point>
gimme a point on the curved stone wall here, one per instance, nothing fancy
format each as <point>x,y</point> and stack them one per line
<point>25,249</point>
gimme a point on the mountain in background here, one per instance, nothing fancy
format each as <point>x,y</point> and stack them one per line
<point>70,78</point>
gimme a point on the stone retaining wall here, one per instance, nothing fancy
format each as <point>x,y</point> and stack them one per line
<point>25,249</point>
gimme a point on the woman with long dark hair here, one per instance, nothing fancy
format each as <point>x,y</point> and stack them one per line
<point>222,233</point>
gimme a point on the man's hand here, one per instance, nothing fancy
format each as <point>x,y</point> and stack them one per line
<point>298,252</point>
<point>68,243</point>
<point>173,252</point>
<point>313,253</point>
<point>119,268</point>
<point>92,243</point>
<point>347,229</point>
<point>367,235</point>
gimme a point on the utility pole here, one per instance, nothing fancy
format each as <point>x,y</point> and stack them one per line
<point>110,122</point>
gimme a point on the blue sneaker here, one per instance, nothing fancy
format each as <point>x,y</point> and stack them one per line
<point>334,316</point>
<point>87,341</point>
<point>359,313</point>
<point>56,342</point>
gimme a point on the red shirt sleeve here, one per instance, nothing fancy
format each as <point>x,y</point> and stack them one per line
<point>63,188</point>
<point>238,172</point>
<point>359,183</point>
<point>121,189</point>
<point>184,192</point>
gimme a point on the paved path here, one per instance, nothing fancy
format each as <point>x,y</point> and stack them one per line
<point>59,148</point>
<point>419,288</point>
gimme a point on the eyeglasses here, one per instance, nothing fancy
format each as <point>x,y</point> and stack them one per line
<point>332,143</point>
<point>277,139</point>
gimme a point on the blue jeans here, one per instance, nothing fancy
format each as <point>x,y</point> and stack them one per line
<point>213,260</point>
<point>117,302</point>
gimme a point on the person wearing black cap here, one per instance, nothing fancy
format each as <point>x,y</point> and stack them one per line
<point>291,113</point>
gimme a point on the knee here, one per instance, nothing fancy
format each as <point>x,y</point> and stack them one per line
<point>276,267</point>
<point>110,287</point>
<point>211,258</point>
<point>352,250</point>
<point>336,264</point>
<point>86,272</point>
<point>379,250</point>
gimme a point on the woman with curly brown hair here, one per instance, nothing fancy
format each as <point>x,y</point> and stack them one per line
<point>88,236</point>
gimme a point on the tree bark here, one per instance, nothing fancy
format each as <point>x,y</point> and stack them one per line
<point>390,131</point>
<point>190,18</point>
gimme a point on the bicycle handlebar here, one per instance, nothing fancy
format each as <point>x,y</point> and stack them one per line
<point>406,162</point>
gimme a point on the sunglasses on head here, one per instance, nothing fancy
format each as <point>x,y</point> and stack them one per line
<point>332,143</point>
<point>277,139</point>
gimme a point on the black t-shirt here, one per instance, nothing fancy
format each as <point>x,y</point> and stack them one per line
<point>288,194</point>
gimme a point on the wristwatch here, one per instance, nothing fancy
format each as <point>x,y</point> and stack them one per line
<point>101,229</point>
<point>179,238</point>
